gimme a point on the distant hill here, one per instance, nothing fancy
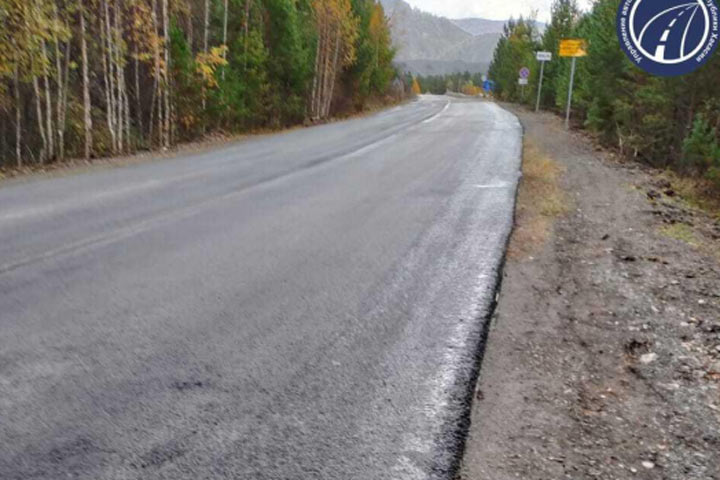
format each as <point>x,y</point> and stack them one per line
<point>419,35</point>
<point>482,26</point>
<point>432,45</point>
<point>479,26</point>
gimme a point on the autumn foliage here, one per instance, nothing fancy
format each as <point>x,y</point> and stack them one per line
<point>85,78</point>
<point>416,90</point>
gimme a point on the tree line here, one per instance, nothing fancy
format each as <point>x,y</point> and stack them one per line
<point>88,78</point>
<point>666,122</point>
<point>461,82</point>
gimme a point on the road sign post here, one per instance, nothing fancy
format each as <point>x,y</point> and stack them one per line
<point>522,82</point>
<point>523,76</point>
<point>570,90</point>
<point>572,47</point>
<point>542,58</point>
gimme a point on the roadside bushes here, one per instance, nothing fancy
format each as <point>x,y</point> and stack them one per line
<point>701,151</point>
<point>665,122</point>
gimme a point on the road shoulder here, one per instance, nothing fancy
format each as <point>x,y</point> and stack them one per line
<point>210,143</point>
<point>603,358</point>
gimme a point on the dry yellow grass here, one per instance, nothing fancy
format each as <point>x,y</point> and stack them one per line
<point>687,234</point>
<point>540,201</point>
<point>682,232</point>
<point>697,193</point>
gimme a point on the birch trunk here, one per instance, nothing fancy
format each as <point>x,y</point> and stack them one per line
<point>138,102</point>
<point>62,85</point>
<point>41,126</point>
<point>61,100</point>
<point>127,115</point>
<point>157,95</point>
<point>48,107</point>
<point>166,89</point>
<point>333,72</point>
<point>321,70</point>
<point>246,34</point>
<point>18,118</point>
<point>206,31</point>
<point>117,59</point>
<point>326,75</point>
<point>225,25</point>
<point>313,97</point>
<point>87,116</point>
<point>109,74</point>
<point>63,118</point>
<point>153,103</point>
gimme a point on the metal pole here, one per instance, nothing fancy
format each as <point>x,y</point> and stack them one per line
<point>542,71</point>
<point>570,89</point>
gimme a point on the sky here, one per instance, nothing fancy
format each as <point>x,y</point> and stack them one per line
<point>492,9</point>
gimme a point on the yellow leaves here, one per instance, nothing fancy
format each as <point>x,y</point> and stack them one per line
<point>142,32</point>
<point>188,121</point>
<point>470,89</point>
<point>6,69</point>
<point>29,28</point>
<point>219,54</point>
<point>208,63</point>
<point>378,25</point>
<point>335,20</point>
<point>144,56</point>
<point>416,87</point>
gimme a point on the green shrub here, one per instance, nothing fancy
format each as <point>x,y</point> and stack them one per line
<point>701,150</point>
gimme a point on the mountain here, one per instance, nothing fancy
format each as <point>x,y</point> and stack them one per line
<point>432,45</point>
<point>420,35</point>
<point>479,26</point>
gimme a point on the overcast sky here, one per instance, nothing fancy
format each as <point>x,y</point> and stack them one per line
<point>493,9</point>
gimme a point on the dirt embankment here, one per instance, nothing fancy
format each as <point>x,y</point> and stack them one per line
<point>604,355</point>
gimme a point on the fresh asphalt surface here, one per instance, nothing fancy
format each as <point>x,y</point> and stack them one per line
<point>307,305</point>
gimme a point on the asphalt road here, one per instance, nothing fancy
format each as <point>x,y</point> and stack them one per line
<point>307,305</point>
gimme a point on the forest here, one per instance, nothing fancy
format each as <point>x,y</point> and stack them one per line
<point>92,78</point>
<point>465,82</point>
<point>670,123</point>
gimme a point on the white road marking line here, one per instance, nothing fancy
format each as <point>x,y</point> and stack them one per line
<point>665,35</point>
<point>434,117</point>
<point>687,29</point>
<point>652,20</point>
<point>660,52</point>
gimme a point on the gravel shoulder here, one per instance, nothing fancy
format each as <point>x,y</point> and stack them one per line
<point>603,359</point>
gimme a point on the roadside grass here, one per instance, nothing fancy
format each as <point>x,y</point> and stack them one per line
<point>697,193</point>
<point>682,232</point>
<point>687,234</point>
<point>540,200</point>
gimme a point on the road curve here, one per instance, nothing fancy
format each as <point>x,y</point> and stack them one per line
<point>307,305</point>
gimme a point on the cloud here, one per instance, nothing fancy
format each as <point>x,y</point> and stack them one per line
<point>492,9</point>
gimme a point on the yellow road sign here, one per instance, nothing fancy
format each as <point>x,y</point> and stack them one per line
<point>573,47</point>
